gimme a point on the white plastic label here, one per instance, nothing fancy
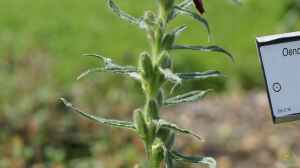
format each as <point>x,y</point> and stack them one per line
<point>280,59</point>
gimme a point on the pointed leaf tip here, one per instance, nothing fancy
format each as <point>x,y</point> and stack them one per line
<point>170,76</point>
<point>108,122</point>
<point>200,75</point>
<point>125,16</point>
<point>87,72</point>
<point>195,16</point>
<point>187,97</point>
<point>183,5</point>
<point>165,124</point>
<point>209,161</point>
<point>212,48</point>
<point>110,66</point>
<point>66,103</point>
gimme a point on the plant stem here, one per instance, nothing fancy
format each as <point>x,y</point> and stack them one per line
<point>153,144</point>
<point>155,153</point>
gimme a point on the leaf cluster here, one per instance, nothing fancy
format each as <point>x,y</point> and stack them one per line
<point>154,70</point>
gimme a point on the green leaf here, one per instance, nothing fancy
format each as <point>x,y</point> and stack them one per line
<point>89,71</point>
<point>123,15</point>
<point>168,161</point>
<point>157,153</point>
<point>211,162</point>
<point>187,97</point>
<point>146,66</point>
<point>165,124</point>
<point>184,5</point>
<point>168,41</point>
<point>152,110</point>
<point>170,76</point>
<point>178,30</point>
<point>165,61</point>
<point>199,75</point>
<point>167,158</point>
<point>140,123</point>
<point>109,66</point>
<point>167,136</point>
<point>195,16</point>
<point>109,122</point>
<point>212,48</point>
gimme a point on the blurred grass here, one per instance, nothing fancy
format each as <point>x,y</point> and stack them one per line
<point>41,43</point>
<point>66,29</point>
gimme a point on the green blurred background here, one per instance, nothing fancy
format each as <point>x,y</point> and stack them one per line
<point>41,43</point>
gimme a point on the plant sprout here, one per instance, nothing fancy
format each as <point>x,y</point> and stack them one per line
<point>153,72</point>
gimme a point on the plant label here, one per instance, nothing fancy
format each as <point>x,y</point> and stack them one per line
<point>280,61</point>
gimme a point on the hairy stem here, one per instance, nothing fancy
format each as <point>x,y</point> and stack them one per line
<point>151,111</point>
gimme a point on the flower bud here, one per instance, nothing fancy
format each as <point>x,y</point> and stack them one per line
<point>199,6</point>
<point>146,65</point>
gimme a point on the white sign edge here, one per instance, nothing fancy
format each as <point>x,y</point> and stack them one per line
<point>271,40</point>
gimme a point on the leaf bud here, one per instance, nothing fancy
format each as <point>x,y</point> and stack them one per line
<point>167,136</point>
<point>149,18</point>
<point>160,97</point>
<point>146,65</point>
<point>152,109</point>
<point>167,5</point>
<point>168,41</point>
<point>157,151</point>
<point>140,123</point>
<point>165,60</point>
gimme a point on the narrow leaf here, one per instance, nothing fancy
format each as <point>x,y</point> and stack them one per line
<point>140,123</point>
<point>109,122</point>
<point>195,16</point>
<point>199,75</point>
<point>174,87</point>
<point>168,161</point>
<point>123,15</point>
<point>183,5</point>
<point>165,124</point>
<point>170,76</point>
<point>187,97</point>
<point>178,30</point>
<point>109,66</point>
<point>167,158</point>
<point>87,72</point>
<point>211,162</point>
<point>213,48</point>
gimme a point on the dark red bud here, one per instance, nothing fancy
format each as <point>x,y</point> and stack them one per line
<point>199,6</point>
